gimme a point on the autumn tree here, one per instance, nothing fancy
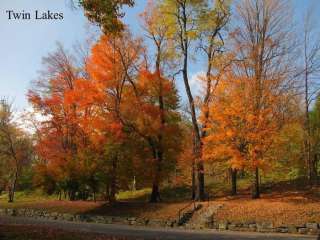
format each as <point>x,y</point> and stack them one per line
<point>238,133</point>
<point>157,30</point>
<point>60,135</point>
<point>125,99</point>
<point>262,48</point>
<point>112,69</point>
<point>185,21</point>
<point>146,120</point>
<point>264,45</point>
<point>211,26</point>
<point>15,148</point>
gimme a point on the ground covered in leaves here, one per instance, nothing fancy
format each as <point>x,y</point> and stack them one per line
<point>284,205</point>
<point>130,204</point>
<point>29,232</point>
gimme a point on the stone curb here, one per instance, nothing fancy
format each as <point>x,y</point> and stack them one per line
<point>21,212</point>
<point>267,227</point>
<point>264,227</point>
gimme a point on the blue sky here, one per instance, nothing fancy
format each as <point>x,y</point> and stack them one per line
<point>23,43</point>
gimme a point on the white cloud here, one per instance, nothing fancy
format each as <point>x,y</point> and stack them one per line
<point>196,83</point>
<point>28,119</point>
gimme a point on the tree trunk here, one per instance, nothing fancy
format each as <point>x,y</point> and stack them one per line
<point>113,185</point>
<point>311,171</point>
<point>12,188</point>
<point>158,148</point>
<point>11,194</point>
<point>72,195</point>
<point>155,194</point>
<point>255,185</point>
<point>233,181</point>
<point>107,192</point>
<point>200,194</point>
<point>193,175</point>
<point>94,196</point>
<point>316,163</point>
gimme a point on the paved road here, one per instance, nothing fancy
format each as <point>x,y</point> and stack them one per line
<point>149,233</point>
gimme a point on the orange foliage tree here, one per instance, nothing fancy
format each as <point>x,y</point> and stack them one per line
<point>238,131</point>
<point>94,115</point>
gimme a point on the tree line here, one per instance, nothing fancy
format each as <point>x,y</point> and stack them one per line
<point>114,114</point>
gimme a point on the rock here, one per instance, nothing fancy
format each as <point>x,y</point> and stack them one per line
<point>171,223</point>
<point>108,220</point>
<point>118,219</point>
<point>2,212</point>
<point>77,217</point>
<point>132,222</point>
<point>20,212</point>
<point>156,223</point>
<point>292,229</point>
<point>312,226</point>
<point>223,226</point>
<point>208,221</point>
<point>98,219</point>
<point>282,229</point>
<point>303,230</point>
<point>253,226</point>
<point>245,225</point>
<point>11,212</point>
<point>54,214</point>
<point>314,231</point>
<point>232,226</point>
<point>68,217</point>
<point>265,227</point>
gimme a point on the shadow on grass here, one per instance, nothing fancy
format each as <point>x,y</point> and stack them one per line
<point>168,194</point>
<point>295,191</point>
<point>138,205</point>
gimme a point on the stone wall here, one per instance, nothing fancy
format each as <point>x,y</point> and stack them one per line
<point>266,227</point>
<point>86,218</point>
<point>308,228</point>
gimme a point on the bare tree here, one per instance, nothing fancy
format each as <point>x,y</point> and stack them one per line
<point>311,70</point>
<point>263,44</point>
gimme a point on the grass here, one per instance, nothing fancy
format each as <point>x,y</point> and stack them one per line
<point>37,200</point>
<point>134,195</point>
<point>130,203</point>
<point>281,203</point>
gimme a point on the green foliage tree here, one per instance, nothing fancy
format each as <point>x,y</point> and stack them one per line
<point>188,21</point>
<point>106,13</point>
<point>315,137</point>
<point>15,149</point>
